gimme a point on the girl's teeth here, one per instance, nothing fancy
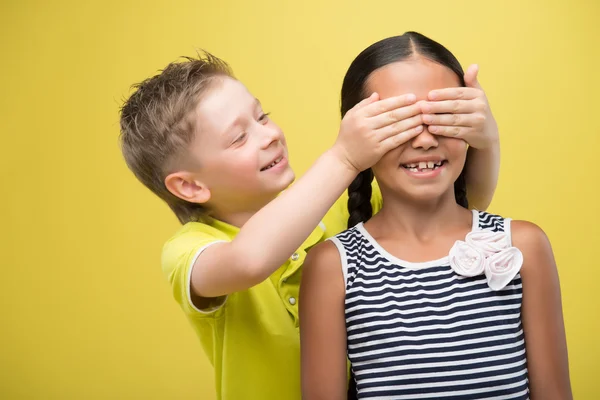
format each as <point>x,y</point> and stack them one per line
<point>423,166</point>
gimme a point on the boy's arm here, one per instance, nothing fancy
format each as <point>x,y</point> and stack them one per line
<point>322,325</point>
<point>543,326</point>
<point>483,167</point>
<point>269,237</point>
<point>464,113</point>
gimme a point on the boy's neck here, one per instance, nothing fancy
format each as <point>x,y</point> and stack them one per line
<point>422,220</point>
<point>238,214</point>
<point>237,219</point>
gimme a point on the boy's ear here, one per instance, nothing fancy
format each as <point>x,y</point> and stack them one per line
<point>187,187</point>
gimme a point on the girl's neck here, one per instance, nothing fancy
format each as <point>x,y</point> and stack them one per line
<point>402,217</point>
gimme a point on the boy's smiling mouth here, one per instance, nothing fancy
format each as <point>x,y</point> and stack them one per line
<point>274,163</point>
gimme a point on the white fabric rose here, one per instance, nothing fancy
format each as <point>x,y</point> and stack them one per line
<point>466,260</point>
<point>487,252</point>
<point>488,242</point>
<point>502,267</point>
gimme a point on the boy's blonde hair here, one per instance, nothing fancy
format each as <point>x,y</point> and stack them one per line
<point>157,124</point>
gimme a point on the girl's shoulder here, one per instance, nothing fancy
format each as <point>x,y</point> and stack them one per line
<point>323,264</point>
<point>532,241</point>
<point>529,237</point>
<point>323,253</point>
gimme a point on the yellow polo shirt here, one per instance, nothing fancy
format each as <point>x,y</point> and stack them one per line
<point>252,339</point>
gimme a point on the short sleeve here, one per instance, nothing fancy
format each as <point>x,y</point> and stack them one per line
<point>178,258</point>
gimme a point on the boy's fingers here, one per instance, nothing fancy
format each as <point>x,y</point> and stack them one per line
<point>450,131</point>
<point>455,93</point>
<point>372,98</point>
<point>395,116</point>
<point>452,106</point>
<point>399,139</point>
<point>471,76</point>
<point>399,127</point>
<point>389,104</point>
<point>453,119</point>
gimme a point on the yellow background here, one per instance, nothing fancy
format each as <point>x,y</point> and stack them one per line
<point>85,310</point>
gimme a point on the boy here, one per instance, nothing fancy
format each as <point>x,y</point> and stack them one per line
<point>198,139</point>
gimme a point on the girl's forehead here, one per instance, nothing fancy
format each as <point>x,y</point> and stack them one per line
<point>416,75</point>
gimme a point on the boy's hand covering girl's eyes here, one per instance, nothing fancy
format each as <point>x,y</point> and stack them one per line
<point>373,127</point>
<point>462,112</point>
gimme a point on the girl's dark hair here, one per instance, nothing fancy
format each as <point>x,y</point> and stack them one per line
<point>380,54</point>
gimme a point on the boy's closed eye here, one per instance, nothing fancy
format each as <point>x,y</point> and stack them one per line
<point>264,117</point>
<point>239,139</point>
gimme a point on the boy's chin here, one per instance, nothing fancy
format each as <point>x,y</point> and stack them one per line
<point>291,177</point>
<point>278,186</point>
<point>287,179</point>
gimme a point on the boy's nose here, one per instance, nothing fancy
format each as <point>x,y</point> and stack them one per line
<point>270,134</point>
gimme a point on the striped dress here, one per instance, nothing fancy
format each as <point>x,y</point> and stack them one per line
<point>421,331</point>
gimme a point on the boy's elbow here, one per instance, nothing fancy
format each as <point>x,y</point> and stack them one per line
<point>253,268</point>
<point>228,269</point>
<point>256,271</point>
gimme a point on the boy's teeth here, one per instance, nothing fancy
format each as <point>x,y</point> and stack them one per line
<point>430,164</point>
<point>273,164</point>
<point>422,165</point>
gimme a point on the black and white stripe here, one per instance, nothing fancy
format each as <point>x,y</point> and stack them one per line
<point>420,331</point>
<point>490,221</point>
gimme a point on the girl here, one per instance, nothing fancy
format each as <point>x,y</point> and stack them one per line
<point>428,299</point>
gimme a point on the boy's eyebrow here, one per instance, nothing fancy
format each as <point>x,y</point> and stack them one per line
<point>237,121</point>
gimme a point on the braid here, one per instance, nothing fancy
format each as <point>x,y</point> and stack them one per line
<point>460,190</point>
<point>359,198</point>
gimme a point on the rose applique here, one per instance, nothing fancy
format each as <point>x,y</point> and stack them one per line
<point>489,253</point>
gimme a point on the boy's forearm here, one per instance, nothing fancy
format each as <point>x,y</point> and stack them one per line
<point>483,168</point>
<point>278,229</point>
<point>271,235</point>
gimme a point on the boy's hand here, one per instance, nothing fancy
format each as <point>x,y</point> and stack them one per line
<point>373,127</point>
<point>462,112</point>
